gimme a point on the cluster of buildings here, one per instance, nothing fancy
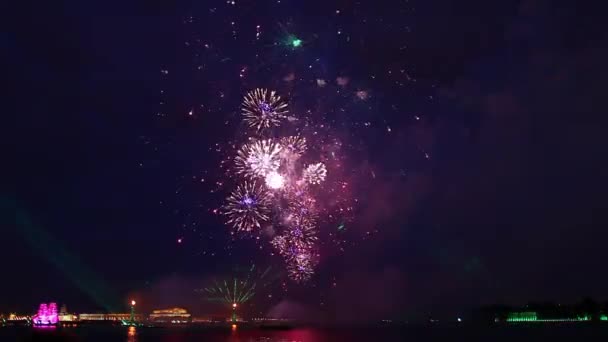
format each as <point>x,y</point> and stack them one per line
<point>48,314</point>
<point>173,315</point>
<point>533,316</point>
<point>584,311</point>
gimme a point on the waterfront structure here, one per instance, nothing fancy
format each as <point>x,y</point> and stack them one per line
<point>65,316</point>
<point>531,316</point>
<point>118,317</point>
<point>15,317</point>
<point>172,315</point>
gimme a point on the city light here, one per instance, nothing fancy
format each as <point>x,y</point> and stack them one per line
<point>133,303</point>
<point>519,317</point>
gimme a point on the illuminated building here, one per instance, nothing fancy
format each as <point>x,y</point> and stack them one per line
<point>117,317</point>
<point>527,316</point>
<point>173,315</point>
<point>67,317</point>
<point>64,316</point>
<point>531,316</point>
<point>14,317</point>
<point>92,317</point>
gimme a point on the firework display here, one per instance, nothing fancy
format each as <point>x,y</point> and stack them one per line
<point>294,144</point>
<point>258,158</point>
<point>280,190</point>
<point>275,180</point>
<point>240,287</point>
<point>263,109</point>
<point>301,268</point>
<point>315,173</point>
<point>233,291</point>
<point>247,206</point>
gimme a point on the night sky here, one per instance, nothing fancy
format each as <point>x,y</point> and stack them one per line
<point>472,129</point>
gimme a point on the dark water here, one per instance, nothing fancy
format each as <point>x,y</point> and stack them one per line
<point>487,334</point>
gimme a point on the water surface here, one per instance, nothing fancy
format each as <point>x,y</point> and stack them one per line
<point>312,334</point>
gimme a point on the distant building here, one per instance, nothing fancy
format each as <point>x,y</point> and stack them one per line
<point>110,317</point>
<point>92,317</point>
<point>532,316</point>
<point>65,316</point>
<point>527,316</point>
<point>173,315</point>
<point>14,317</point>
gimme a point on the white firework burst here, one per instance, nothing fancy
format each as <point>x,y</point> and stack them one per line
<point>258,159</point>
<point>275,180</point>
<point>315,173</point>
<point>263,109</point>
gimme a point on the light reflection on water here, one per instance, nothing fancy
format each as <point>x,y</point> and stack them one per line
<point>246,336</point>
<point>555,333</point>
<point>298,335</point>
<point>241,333</point>
<point>132,334</point>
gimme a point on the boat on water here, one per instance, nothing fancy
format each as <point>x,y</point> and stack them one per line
<point>46,316</point>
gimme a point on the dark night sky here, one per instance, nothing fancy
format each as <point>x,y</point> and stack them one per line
<point>510,206</point>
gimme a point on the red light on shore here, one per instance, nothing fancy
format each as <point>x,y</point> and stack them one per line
<point>234,305</point>
<point>133,303</point>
